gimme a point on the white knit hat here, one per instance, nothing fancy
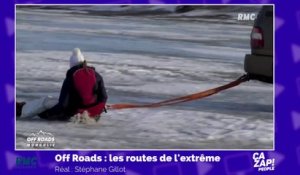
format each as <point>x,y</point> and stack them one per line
<point>76,57</point>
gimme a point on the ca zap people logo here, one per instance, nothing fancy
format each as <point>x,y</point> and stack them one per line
<point>262,163</point>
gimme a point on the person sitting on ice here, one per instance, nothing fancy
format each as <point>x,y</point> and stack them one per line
<point>82,90</point>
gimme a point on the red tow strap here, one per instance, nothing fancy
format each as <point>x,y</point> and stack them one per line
<point>182,99</point>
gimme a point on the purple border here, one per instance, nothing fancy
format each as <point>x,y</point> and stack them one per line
<point>287,90</point>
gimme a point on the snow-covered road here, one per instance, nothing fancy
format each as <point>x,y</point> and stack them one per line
<point>145,59</point>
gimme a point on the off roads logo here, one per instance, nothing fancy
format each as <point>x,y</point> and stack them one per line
<point>41,140</point>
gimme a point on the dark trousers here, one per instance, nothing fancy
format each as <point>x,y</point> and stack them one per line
<point>58,112</point>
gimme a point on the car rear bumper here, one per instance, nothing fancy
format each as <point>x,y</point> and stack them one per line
<point>259,65</point>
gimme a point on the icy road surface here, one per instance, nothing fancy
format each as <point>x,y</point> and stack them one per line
<point>145,59</point>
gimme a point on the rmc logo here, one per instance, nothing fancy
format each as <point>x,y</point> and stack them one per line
<point>26,162</point>
<point>246,16</point>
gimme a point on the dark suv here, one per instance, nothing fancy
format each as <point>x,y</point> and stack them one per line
<point>259,64</point>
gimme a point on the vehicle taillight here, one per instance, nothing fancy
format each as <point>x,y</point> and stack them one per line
<point>257,39</point>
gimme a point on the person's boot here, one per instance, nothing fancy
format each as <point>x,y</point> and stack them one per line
<point>19,107</point>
